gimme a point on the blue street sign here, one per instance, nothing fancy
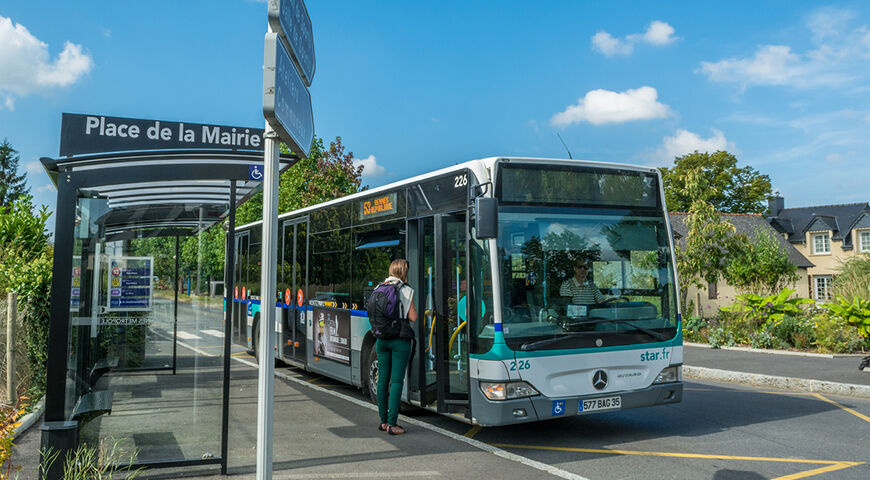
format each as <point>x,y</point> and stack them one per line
<point>289,18</point>
<point>286,101</point>
<point>255,172</point>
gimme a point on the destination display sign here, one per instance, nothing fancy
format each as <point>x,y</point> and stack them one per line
<point>378,206</point>
<point>81,134</point>
<point>129,284</point>
<point>289,18</point>
<point>332,334</point>
<point>286,101</point>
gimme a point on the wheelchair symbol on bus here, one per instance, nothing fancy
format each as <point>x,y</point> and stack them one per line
<point>558,407</point>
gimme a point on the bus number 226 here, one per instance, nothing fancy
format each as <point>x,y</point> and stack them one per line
<point>460,180</point>
<point>521,365</point>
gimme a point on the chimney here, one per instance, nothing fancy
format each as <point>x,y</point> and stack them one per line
<point>775,204</point>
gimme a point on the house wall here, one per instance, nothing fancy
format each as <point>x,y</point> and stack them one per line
<point>726,294</point>
<point>825,263</point>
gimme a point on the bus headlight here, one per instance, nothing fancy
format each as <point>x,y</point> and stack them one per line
<point>507,390</point>
<point>669,375</point>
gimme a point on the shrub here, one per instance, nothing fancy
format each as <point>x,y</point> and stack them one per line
<point>853,279</point>
<point>692,329</point>
<point>760,310</point>
<point>792,330</point>
<point>856,312</point>
<point>721,337</point>
<point>835,335</point>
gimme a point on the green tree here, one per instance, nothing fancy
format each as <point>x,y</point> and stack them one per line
<point>725,186</point>
<point>326,174</point>
<point>12,185</point>
<point>25,268</point>
<point>761,267</point>
<point>709,239</point>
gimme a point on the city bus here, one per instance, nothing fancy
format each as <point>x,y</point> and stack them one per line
<point>510,328</point>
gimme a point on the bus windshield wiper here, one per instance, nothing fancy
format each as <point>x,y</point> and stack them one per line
<point>548,341</point>
<point>651,333</point>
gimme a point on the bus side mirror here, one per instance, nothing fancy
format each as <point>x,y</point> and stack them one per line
<point>485,217</point>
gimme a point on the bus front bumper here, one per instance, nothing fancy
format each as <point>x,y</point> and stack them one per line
<point>530,409</point>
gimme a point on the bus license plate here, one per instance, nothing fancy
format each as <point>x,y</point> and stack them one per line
<point>596,404</point>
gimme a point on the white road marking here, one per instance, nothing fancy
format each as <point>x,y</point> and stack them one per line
<point>418,473</point>
<point>187,336</point>
<point>470,441</point>
<point>213,333</point>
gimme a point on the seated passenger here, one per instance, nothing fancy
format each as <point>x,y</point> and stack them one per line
<point>579,288</point>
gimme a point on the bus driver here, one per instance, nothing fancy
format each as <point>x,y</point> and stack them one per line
<point>581,290</point>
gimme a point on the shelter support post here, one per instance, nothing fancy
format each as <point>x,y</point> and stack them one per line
<point>229,280</point>
<point>59,436</point>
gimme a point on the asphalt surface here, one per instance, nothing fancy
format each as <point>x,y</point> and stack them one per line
<point>720,431</point>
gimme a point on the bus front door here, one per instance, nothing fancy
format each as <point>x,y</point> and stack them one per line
<point>442,347</point>
<point>293,271</point>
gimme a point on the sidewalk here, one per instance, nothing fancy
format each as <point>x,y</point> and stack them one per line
<point>834,374</point>
<point>319,434</point>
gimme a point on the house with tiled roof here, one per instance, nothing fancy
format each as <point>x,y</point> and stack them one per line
<point>707,301</point>
<point>826,235</point>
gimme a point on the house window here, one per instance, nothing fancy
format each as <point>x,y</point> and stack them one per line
<point>864,241</point>
<point>712,293</point>
<point>823,287</point>
<point>821,243</point>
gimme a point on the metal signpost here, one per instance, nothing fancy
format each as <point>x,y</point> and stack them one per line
<point>288,68</point>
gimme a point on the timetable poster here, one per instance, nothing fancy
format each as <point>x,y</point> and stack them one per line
<point>76,289</point>
<point>332,334</point>
<point>130,284</point>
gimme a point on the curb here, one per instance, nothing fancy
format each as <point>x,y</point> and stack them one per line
<point>785,383</point>
<point>30,418</point>
<point>771,351</point>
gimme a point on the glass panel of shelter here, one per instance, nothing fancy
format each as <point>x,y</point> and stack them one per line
<point>122,334</point>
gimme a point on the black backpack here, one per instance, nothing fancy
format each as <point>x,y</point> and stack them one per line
<point>384,311</point>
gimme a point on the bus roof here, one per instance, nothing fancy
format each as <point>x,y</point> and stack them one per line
<point>477,165</point>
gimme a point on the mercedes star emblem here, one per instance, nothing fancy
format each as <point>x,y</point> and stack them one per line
<point>599,380</point>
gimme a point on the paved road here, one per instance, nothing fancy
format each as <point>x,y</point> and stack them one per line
<point>719,431</point>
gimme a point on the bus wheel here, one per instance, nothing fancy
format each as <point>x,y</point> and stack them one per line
<point>372,375</point>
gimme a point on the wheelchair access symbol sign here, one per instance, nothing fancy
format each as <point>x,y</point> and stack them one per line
<point>558,407</point>
<point>255,172</point>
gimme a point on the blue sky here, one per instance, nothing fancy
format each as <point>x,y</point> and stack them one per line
<point>415,86</point>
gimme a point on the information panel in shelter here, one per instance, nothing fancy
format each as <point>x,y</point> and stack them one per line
<point>130,284</point>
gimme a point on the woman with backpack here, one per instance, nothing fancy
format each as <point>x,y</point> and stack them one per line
<point>393,353</point>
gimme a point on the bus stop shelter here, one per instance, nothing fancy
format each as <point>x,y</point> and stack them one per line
<point>136,228</point>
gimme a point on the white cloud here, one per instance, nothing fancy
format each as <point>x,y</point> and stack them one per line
<point>371,169</point>
<point>657,33</point>
<point>27,67</point>
<point>838,57</point>
<point>34,167</point>
<point>45,188</point>
<point>684,142</point>
<point>610,46</point>
<point>599,107</point>
<point>834,157</point>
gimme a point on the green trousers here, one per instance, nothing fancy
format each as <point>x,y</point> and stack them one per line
<point>392,361</point>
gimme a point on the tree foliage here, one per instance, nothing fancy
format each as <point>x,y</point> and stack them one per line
<point>709,239</point>
<point>721,183</point>
<point>326,174</point>
<point>12,185</point>
<point>25,268</point>
<point>761,266</point>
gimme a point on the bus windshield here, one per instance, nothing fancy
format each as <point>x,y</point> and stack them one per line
<point>585,277</point>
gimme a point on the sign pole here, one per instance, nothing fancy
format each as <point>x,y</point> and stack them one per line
<point>266,379</point>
